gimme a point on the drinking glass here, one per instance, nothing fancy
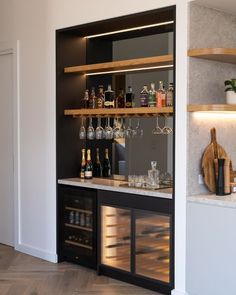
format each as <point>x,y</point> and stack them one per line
<point>108,132</point>
<point>138,131</point>
<point>116,128</point>
<point>122,129</point>
<point>82,130</point>
<point>90,130</point>
<point>129,130</point>
<point>166,129</point>
<point>99,130</point>
<point>157,130</point>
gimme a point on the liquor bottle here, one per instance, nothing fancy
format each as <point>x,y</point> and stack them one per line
<point>88,174</point>
<point>85,100</point>
<point>170,95</point>
<point>152,96</point>
<point>83,164</point>
<point>129,98</point>
<point>109,98</point>
<point>160,96</point>
<point>97,167</point>
<point>120,100</point>
<point>106,169</point>
<point>92,99</point>
<point>100,97</point>
<point>144,97</point>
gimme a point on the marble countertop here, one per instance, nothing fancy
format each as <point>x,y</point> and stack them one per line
<point>211,199</point>
<point>116,186</point>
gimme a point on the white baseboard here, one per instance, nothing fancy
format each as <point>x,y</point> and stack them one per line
<point>177,292</point>
<point>39,253</point>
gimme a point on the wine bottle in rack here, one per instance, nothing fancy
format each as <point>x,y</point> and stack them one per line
<point>109,98</point>
<point>106,170</point>
<point>129,98</point>
<point>88,174</point>
<point>83,165</point>
<point>100,97</point>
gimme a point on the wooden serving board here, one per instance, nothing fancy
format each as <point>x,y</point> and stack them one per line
<point>213,151</point>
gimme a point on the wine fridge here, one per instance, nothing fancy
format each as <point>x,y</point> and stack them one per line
<point>77,228</point>
<point>136,240</point>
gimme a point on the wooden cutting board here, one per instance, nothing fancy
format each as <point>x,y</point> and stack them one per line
<point>213,151</point>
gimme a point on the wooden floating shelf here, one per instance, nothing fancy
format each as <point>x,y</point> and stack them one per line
<point>211,108</point>
<point>129,112</point>
<point>122,65</point>
<point>226,55</point>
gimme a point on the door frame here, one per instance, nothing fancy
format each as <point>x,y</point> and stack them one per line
<point>5,49</point>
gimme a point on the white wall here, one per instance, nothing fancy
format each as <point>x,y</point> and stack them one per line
<point>33,22</point>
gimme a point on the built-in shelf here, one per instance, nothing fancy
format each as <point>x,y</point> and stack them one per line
<point>79,245</point>
<point>129,112</point>
<point>123,65</point>
<point>78,227</point>
<point>211,108</point>
<point>227,55</point>
<point>79,210</point>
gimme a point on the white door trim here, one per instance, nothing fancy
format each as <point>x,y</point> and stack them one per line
<point>13,48</point>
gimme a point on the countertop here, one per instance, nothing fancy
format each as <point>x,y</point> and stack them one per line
<point>211,199</point>
<point>116,186</point>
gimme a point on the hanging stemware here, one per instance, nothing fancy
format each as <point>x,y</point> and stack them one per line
<point>99,130</point>
<point>157,130</point>
<point>90,130</point>
<point>82,130</point>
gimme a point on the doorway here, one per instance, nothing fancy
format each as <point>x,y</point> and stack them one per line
<point>7,220</point>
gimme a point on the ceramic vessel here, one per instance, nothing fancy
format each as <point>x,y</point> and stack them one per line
<point>230,97</point>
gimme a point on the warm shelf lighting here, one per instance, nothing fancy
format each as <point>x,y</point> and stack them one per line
<point>130,29</point>
<point>223,115</point>
<point>130,70</point>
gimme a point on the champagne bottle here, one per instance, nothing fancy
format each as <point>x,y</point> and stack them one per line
<point>88,174</point>
<point>100,97</point>
<point>129,98</point>
<point>97,168</point>
<point>92,99</point>
<point>106,169</point>
<point>83,164</point>
<point>109,98</point>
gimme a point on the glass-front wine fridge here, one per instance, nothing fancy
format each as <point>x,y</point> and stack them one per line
<point>77,230</point>
<point>136,240</point>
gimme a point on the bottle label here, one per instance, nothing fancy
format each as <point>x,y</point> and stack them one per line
<point>107,103</point>
<point>88,174</point>
<point>128,104</point>
<point>82,174</point>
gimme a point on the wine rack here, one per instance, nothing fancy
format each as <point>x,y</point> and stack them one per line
<point>78,225</point>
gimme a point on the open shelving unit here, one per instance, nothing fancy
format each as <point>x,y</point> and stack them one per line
<point>129,112</point>
<point>226,55</point>
<point>123,65</point>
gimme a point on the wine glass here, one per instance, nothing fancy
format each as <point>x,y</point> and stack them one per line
<point>99,130</point>
<point>138,131</point>
<point>82,130</point>
<point>90,130</point>
<point>129,130</point>
<point>166,129</point>
<point>157,130</point>
<point>108,132</point>
<point>116,128</point>
<point>122,129</point>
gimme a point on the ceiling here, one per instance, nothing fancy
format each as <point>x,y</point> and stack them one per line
<point>224,5</point>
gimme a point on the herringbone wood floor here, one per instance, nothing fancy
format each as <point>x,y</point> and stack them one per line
<point>22,274</point>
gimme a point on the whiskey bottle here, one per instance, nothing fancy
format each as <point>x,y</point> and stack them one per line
<point>160,96</point>
<point>129,98</point>
<point>144,97</point>
<point>152,96</point>
<point>83,164</point>
<point>92,99</point>
<point>109,98</point>
<point>170,95</point>
<point>106,169</point>
<point>88,174</point>
<point>100,97</point>
<point>120,100</point>
<point>85,100</point>
<point>97,168</point>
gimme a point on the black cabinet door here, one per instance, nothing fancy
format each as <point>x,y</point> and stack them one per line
<point>77,232</point>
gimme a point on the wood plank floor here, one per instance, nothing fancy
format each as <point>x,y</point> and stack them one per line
<point>22,274</point>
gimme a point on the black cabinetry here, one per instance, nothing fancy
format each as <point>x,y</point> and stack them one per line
<point>77,230</point>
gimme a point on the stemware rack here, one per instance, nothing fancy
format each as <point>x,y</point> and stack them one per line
<point>128,112</point>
